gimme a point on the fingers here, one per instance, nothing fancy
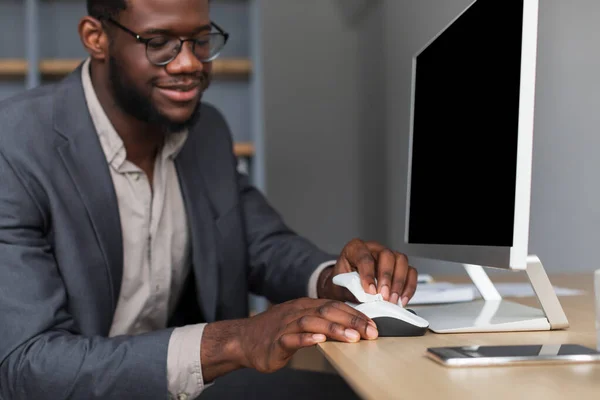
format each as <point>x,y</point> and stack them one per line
<point>396,280</point>
<point>292,342</point>
<point>320,307</point>
<point>330,329</point>
<point>386,263</point>
<point>393,271</point>
<point>375,248</point>
<point>359,256</point>
<point>349,329</point>
<point>401,270</point>
<point>335,319</point>
<point>326,309</point>
<point>357,319</point>
<point>410,286</point>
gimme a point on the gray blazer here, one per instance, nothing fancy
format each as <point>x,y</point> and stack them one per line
<point>61,251</point>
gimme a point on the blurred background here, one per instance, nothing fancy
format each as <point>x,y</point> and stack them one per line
<point>317,94</point>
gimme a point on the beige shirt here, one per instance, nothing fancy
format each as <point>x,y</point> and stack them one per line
<point>156,249</point>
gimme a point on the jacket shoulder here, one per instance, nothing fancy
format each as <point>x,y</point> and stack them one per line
<point>26,116</point>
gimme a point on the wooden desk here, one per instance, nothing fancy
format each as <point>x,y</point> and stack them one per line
<point>396,368</point>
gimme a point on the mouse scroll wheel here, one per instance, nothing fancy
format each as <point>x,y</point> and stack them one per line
<point>408,309</point>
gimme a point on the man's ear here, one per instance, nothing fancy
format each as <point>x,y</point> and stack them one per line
<point>93,37</point>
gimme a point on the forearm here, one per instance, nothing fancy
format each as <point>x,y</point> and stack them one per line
<point>221,350</point>
<point>59,365</point>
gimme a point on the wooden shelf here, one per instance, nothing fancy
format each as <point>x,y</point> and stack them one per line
<point>243,149</point>
<point>222,68</point>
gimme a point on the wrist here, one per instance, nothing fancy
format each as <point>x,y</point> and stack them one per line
<point>324,282</point>
<point>221,349</point>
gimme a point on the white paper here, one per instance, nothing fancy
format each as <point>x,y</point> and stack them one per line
<point>524,289</point>
<point>441,292</point>
<point>446,292</point>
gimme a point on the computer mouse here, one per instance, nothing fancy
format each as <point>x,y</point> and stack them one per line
<point>392,320</point>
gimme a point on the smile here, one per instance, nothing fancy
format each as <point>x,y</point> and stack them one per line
<point>181,94</point>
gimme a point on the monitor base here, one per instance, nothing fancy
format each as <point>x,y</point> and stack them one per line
<point>493,314</point>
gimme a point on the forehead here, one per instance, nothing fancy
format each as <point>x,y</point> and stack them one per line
<point>166,14</point>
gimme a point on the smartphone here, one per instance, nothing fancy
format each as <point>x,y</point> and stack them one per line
<point>483,356</point>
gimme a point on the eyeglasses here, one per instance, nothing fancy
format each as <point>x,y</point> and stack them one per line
<point>163,49</point>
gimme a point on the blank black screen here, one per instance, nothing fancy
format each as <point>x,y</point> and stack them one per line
<point>465,129</point>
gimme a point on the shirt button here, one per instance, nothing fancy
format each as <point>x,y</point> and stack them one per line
<point>182,396</point>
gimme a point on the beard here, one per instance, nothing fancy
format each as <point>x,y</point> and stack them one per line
<point>139,106</point>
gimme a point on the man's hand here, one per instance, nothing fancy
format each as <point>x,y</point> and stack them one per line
<point>270,339</point>
<point>395,278</point>
<point>266,342</point>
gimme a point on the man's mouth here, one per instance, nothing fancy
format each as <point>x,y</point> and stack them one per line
<point>181,93</point>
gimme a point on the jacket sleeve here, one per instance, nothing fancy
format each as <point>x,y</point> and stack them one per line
<point>281,261</point>
<point>43,355</point>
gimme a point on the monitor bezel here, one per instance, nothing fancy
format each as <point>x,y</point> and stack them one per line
<point>514,257</point>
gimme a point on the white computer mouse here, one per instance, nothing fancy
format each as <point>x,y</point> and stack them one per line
<point>391,319</point>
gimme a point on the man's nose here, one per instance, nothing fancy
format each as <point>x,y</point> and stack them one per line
<point>186,61</point>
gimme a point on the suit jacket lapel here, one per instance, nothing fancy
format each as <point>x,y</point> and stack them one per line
<point>191,163</point>
<point>86,163</point>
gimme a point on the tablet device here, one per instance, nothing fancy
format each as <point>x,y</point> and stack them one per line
<point>483,356</point>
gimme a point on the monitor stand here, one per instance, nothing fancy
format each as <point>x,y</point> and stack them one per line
<point>492,313</point>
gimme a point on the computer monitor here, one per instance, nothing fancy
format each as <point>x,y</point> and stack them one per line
<point>470,160</point>
<point>471,134</point>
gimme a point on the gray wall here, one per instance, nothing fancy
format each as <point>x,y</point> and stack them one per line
<point>565,209</point>
<point>566,189</point>
<point>324,136</point>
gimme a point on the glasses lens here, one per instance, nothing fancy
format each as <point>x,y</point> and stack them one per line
<point>162,49</point>
<point>209,47</point>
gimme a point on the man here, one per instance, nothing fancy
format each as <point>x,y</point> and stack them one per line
<point>129,242</point>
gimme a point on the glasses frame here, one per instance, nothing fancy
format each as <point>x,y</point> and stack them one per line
<point>145,41</point>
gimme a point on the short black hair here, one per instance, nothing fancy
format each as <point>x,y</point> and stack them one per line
<point>105,8</point>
